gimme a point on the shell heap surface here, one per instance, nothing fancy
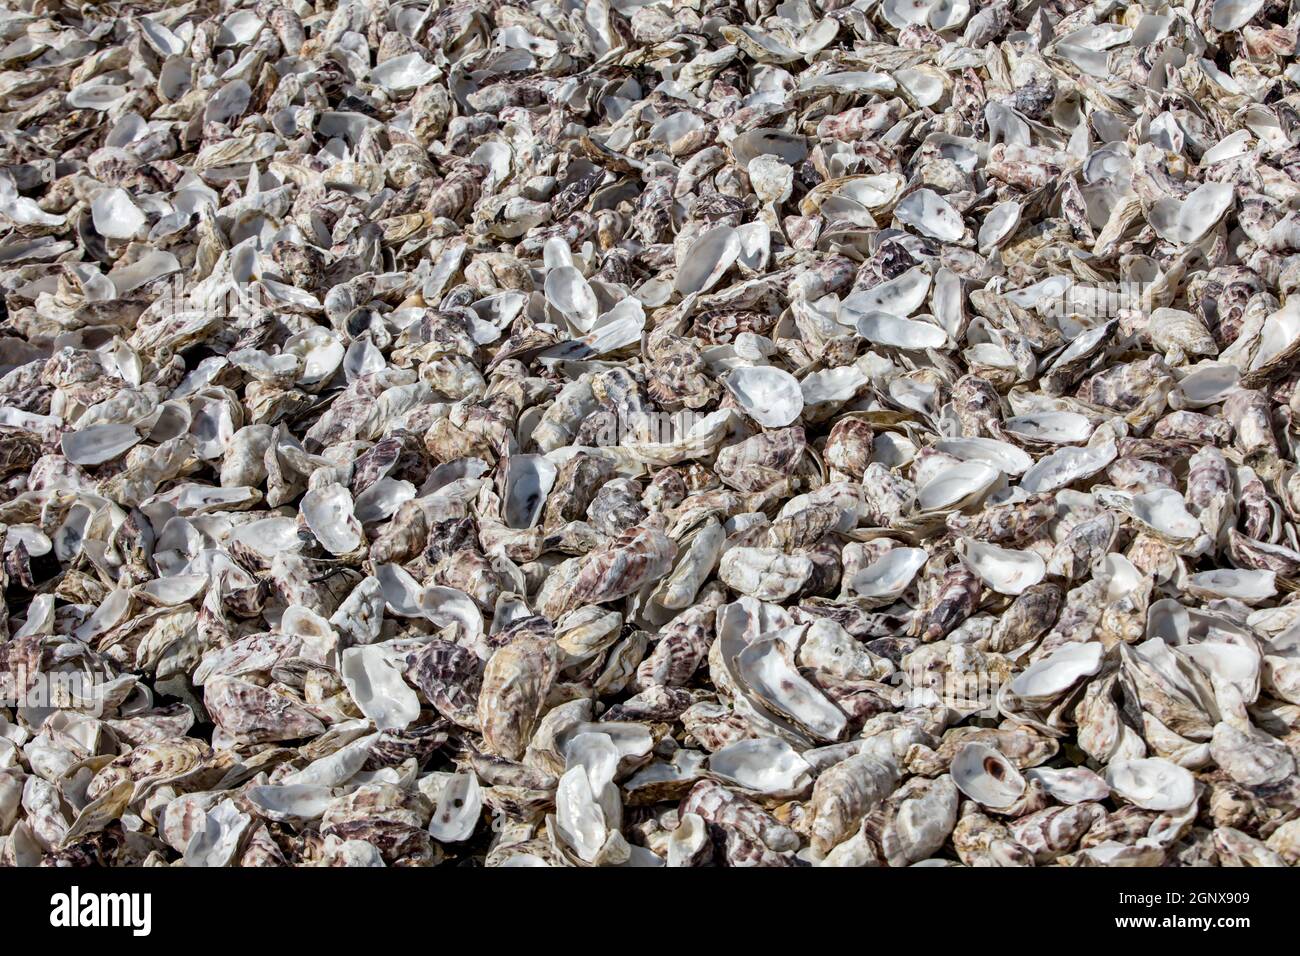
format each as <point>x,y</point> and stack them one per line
<point>628,433</point>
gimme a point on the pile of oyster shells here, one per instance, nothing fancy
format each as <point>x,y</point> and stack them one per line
<point>626,433</point>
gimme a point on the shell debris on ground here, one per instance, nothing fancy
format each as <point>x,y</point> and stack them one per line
<point>649,433</point>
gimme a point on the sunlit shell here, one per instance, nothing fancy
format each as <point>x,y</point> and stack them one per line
<point>900,296</point>
<point>528,481</point>
<point>98,443</point>
<point>707,259</point>
<point>1152,783</point>
<point>1003,456</point>
<point>956,486</point>
<point>764,765</point>
<point>1054,427</point>
<point>401,73</point>
<point>1070,786</point>
<point>986,776</point>
<point>881,328</point>
<point>571,295</point>
<point>930,214</point>
<point>999,224</point>
<point>1056,673</point>
<point>1189,219</point>
<point>1250,587</point>
<point>1206,384</point>
<point>115,215</point>
<point>768,395</point>
<point>770,676</point>
<point>1233,14</point>
<point>373,676</point>
<point>1066,466</point>
<point>329,514</point>
<point>458,804</point>
<point>1165,512</point>
<point>888,577</point>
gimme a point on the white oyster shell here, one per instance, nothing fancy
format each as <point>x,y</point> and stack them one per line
<point>1005,570</point>
<point>768,395</point>
<point>986,776</point>
<point>1152,783</point>
<point>373,675</point>
<point>328,512</point>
